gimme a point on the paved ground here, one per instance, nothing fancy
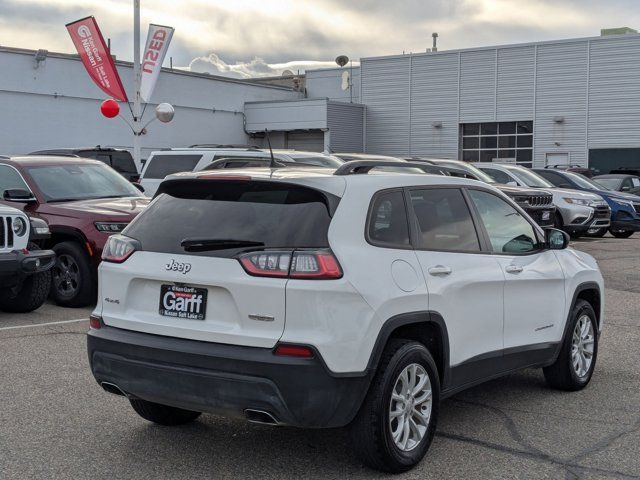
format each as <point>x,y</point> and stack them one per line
<point>55,422</point>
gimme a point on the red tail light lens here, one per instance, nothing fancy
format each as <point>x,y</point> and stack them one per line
<point>118,248</point>
<point>95,322</point>
<point>311,265</point>
<point>298,351</point>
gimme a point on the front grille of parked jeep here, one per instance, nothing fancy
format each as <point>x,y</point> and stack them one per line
<point>6,232</point>
<point>539,200</point>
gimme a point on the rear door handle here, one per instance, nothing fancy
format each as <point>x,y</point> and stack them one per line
<point>513,269</point>
<point>439,270</point>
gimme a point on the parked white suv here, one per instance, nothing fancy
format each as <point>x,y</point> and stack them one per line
<point>322,298</point>
<point>202,157</point>
<point>577,212</point>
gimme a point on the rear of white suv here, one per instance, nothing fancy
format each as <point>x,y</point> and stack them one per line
<point>313,299</point>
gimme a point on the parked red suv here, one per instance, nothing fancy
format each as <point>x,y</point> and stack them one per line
<point>83,201</point>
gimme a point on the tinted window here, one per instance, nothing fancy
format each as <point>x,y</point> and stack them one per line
<point>123,162</point>
<point>509,232</point>
<point>444,220</point>
<point>159,166</point>
<point>10,179</point>
<point>498,175</point>
<point>553,177</point>
<point>277,215</point>
<point>79,182</point>
<point>388,220</point>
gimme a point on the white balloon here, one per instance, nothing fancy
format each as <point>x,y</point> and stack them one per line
<point>165,112</point>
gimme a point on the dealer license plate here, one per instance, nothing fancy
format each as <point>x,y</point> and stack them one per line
<point>546,215</point>
<point>183,302</point>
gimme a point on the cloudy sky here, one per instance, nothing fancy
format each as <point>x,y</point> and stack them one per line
<point>263,37</point>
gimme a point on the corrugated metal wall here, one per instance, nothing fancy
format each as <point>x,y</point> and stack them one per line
<point>386,93</point>
<point>346,127</point>
<point>580,94</point>
<point>431,74</point>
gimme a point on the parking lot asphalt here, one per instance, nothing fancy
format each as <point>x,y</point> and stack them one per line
<point>56,422</point>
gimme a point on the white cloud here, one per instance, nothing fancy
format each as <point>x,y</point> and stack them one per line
<point>257,67</point>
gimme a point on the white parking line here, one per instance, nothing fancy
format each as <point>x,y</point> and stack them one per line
<point>45,324</point>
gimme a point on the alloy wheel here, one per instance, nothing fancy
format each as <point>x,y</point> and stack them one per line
<point>582,346</point>
<point>410,407</point>
<point>66,276</point>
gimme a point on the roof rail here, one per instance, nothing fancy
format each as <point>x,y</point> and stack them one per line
<point>52,154</point>
<point>358,167</point>
<point>222,145</point>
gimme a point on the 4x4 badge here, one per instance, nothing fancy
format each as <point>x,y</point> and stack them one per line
<point>174,266</point>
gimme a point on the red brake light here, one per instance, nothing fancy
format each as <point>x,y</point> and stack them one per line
<point>118,248</point>
<point>95,322</point>
<point>298,351</point>
<point>307,265</point>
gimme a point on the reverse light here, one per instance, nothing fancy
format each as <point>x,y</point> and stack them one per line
<point>303,264</point>
<point>297,351</point>
<point>118,248</point>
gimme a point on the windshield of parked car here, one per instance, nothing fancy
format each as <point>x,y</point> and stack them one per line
<point>608,183</point>
<point>529,178</point>
<point>585,182</point>
<point>473,170</point>
<point>80,182</point>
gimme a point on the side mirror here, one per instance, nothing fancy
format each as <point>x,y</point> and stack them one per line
<point>19,195</point>
<point>138,186</point>
<point>625,189</point>
<point>565,185</point>
<point>556,239</point>
<point>511,183</point>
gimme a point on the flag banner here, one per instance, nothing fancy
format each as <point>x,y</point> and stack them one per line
<point>155,50</point>
<point>96,57</point>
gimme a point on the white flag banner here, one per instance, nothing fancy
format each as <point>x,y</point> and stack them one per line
<point>158,40</point>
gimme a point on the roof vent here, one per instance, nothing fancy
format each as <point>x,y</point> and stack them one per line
<point>617,31</point>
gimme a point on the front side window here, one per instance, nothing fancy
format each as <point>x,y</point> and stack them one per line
<point>10,180</point>
<point>498,176</point>
<point>444,220</point>
<point>388,220</point>
<point>508,230</point>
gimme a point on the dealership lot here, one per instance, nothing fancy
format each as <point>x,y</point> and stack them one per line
<point>57,423</point>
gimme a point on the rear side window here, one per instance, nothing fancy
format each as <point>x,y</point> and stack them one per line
<point>388,224</point>
<point>444,220</point>
<point>159,166</point>
<point>553,177</point>
<point>265,213</point>
<point>498,175</point>
<point>123,162</point>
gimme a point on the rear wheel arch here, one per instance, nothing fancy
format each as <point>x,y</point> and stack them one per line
<point>425,327</point>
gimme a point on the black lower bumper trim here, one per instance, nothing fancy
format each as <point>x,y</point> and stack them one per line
<point>19,263</point>
<point>224,379</point>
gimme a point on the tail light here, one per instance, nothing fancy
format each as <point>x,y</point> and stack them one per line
<point>303,264</point>
<point>95,322</point>
<point>118,248</point>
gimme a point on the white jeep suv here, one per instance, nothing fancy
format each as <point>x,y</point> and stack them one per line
<point>323,298</point>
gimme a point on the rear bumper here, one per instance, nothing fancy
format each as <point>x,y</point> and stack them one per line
<point>19,264</point>
<point>224,379</point>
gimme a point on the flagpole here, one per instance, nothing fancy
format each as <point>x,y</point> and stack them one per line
<point>137,121</point>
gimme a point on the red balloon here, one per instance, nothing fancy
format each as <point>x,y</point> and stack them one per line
<point>110,108</point>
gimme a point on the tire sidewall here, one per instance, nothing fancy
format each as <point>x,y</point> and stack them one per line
<point>86,291</point>
<point>580,309</point>
<point>411,353</point>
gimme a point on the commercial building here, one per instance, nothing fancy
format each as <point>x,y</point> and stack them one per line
<point>566,101</point>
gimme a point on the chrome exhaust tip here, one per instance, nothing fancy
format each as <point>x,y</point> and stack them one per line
<point>112,388</point>
<point>260,416</point>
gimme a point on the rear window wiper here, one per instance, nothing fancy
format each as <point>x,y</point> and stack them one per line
<point>208,244</point>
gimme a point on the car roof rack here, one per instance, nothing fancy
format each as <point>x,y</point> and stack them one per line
<point>222,145</point>
<point>360,167</point>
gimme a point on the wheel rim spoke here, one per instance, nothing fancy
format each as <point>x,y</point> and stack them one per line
<point>583,346</point>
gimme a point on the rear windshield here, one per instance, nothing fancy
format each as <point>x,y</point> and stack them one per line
<point>271,214</point>
<point>159,166</point>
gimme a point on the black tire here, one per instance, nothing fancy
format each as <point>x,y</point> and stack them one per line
<point>27,296</point>
<point>73,279</point>
<point>621,233</point>
<point>561,374</point>
<point>371,429</point>
<point>162,414</point>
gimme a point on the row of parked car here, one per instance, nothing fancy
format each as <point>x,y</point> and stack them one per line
<point>81,196</point>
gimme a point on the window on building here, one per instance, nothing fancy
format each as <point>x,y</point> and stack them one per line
<point>506,141</point>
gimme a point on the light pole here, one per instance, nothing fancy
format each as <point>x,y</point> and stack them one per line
<point>137,110</point>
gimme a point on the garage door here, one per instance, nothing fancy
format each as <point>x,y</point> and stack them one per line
<point>312,141</point>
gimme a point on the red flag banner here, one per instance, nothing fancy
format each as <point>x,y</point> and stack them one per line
<point>96,57</point>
